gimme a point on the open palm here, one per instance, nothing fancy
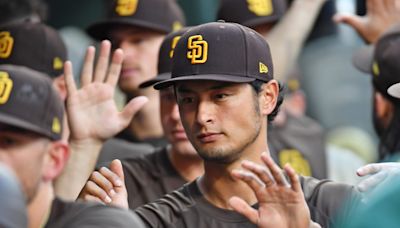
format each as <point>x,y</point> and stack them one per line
<point>92,111</point>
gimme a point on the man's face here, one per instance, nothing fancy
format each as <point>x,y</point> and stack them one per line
<point>140,55</point>
<point>172,125</point>
<point>24,153</point>
<point>221,119</point>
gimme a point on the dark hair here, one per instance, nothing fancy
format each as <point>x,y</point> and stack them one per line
<point>389,143</point>
<point>257,86</point>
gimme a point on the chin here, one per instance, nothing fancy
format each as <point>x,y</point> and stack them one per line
<point>221,156</point>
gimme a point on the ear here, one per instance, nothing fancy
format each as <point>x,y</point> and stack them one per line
<point>57,158</point>
<point>59,84</point>
<point>268,97</point>
<point>383,107</point>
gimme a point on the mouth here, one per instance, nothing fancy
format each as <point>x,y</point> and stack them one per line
<point>208,137</point>
<point>129,72</point>
<point>179,134</point>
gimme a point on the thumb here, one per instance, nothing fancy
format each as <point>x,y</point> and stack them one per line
<point>132,108</point>
<point>116,167</point>
<point>240,206</point>
<point>354,21</point>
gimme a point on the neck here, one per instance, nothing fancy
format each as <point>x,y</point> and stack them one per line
<point>146,123</point>
<point>39,208</point>
<point>188,166</point>
<point>217,184</point>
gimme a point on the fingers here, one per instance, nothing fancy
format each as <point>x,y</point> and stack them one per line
<point>275,170</point>
<point>91,188</point>
<point>371,182</point>
<point>87,69</point>
<point>243,208</point>
<point>132,108</point>
<point>111,177</point>
<point>69,78</point>
<point>293,177</point>
<point>250,178</point>
<point>369,169</point>
<point>115,67</point>
<point>116,167</point>
<point>101,181</point>
<point>102,62</point>
<point>262,172</point>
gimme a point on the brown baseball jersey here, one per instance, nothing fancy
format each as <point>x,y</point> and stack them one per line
<point>187,207</point>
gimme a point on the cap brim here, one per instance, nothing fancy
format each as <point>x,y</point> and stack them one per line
<point>15,122</point>
<point>204,77</point>
<point>158,78</point>
<point>362,58</point>
<point>394,90</point>
<point>100,30</point>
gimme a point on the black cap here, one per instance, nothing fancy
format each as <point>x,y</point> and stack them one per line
<point>158,15</point>
<point>34,45</point>
<point>221,52</point>
<point>29,101</point>
<point>251,12</point>
<point>165,55</point>
<point>382,60</point>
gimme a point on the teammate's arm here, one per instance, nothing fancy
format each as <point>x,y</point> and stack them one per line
<point>298,22</point>
<point>93,116</point>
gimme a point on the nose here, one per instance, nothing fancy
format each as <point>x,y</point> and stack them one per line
<point>130,50</point>
<point>205,113</point>
<point>175,113</point>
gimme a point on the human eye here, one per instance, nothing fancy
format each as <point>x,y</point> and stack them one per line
<point>221,96</point>
<point>7,141</point>
<point>186,100</point>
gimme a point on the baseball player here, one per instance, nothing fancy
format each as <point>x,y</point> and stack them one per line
<point>138,28</point>
<point>31,114</point>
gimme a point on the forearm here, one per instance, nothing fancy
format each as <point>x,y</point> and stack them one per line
<point>80,165</point>
<point>287,38</point>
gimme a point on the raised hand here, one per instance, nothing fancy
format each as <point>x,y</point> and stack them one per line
<point>280,204</point>
<point>107,186</point>
<point>92,112</point>
<point>381,14</point>
<point>377,174</point>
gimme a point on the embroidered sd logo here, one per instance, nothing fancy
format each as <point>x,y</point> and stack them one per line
<point>198,49</point>
<point>6,44</point>
<point>6,85</point>
<point>260,7</point>
<point>56,126</point>
<point>296,160</point>
<point>126,7</point>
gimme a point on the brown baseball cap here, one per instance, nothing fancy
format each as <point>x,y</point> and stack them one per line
<point>165,55</point>
<point>220,51</point>
<point>382,61</point>
<point>29,101</point>
<point>251,12</point>
<point>34,45</point>
<point>158,15</point>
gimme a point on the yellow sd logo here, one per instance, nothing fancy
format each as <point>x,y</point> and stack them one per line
<point>173,45</point>
<point>6,44</point>
<point>261,7</point>
<point>375,68</point>
<point>6,85</point>
<point>296,160</point>
<point>126,7</point>
<point>198,49</point>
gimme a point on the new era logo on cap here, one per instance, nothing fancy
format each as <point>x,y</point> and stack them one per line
<point>6,44</point>
<point>126,7</point>
<point>6,85</point>
<point>260,7</point>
